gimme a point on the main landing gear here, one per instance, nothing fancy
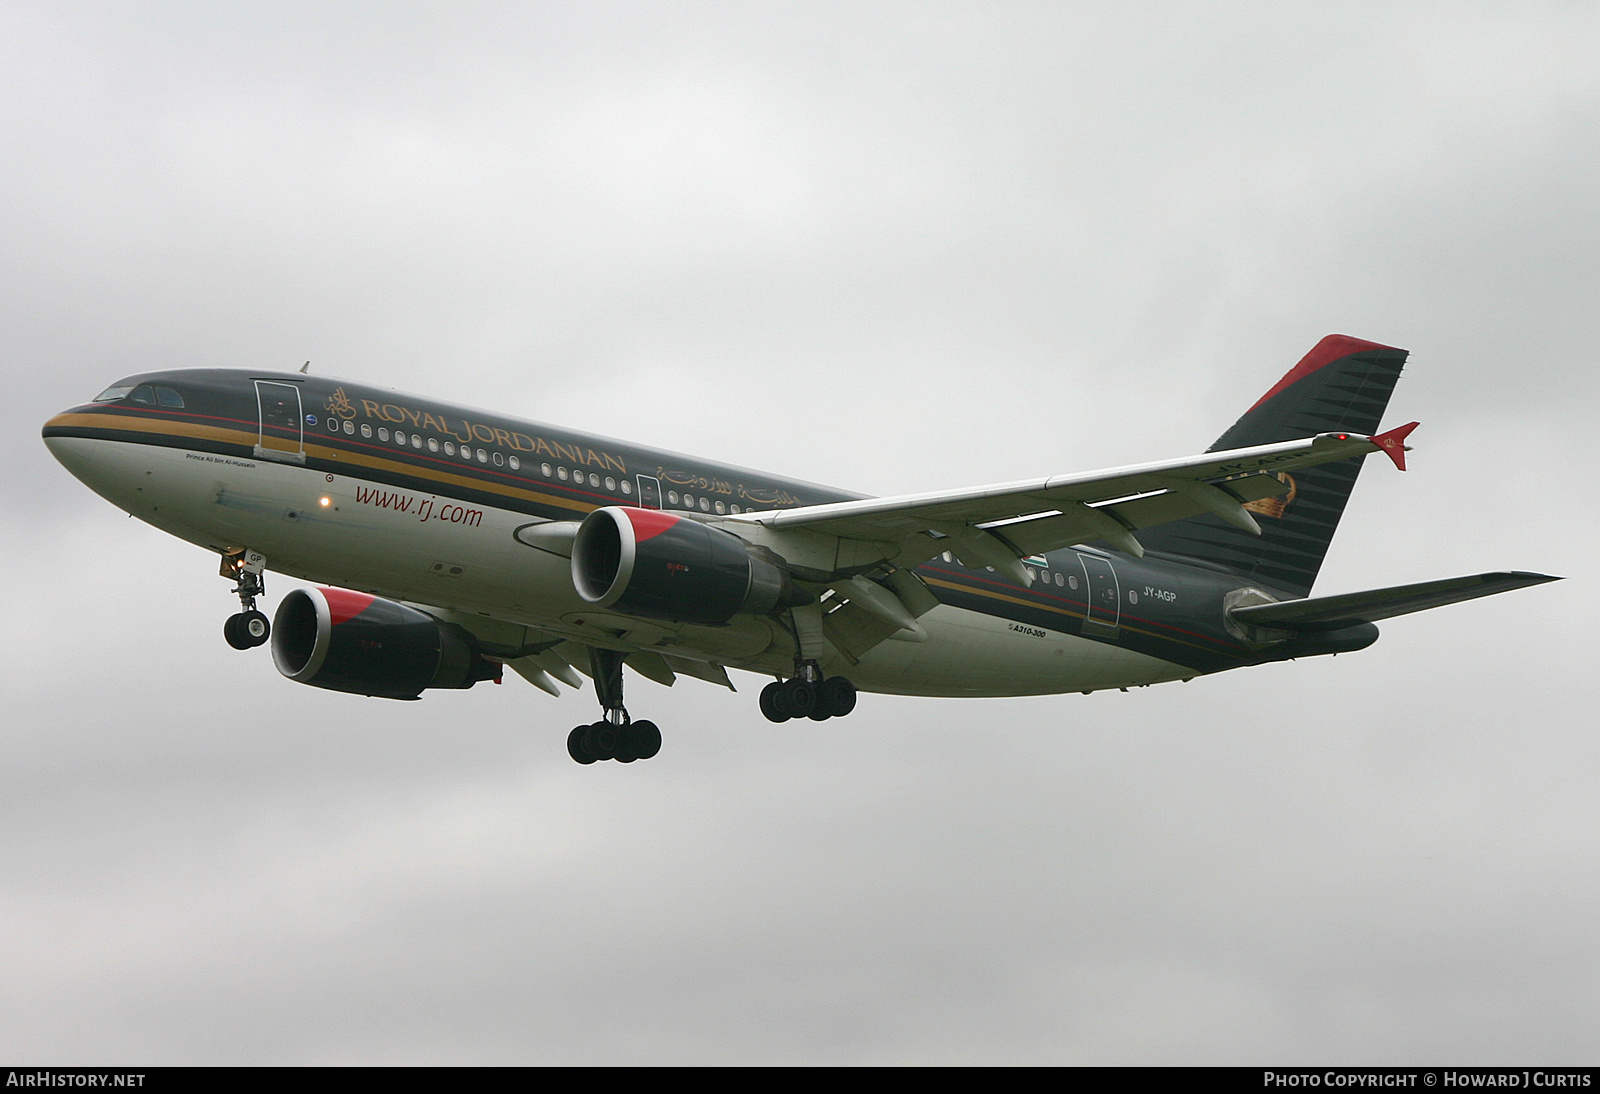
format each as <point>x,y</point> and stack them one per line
<point>615,736</point>
<point>249,628</point>
<point>808,695</point>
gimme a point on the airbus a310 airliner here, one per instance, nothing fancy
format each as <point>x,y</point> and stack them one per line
<point>455,542</point>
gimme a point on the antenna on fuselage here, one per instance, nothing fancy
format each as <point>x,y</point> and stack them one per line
<point>305,367</point>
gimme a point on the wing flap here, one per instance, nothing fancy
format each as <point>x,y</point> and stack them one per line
<point>1320,613</point>
<point>709,671</point>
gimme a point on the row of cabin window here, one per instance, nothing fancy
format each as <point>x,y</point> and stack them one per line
<point>416,440</point>
<point>1062,581</point>
<point>703,503</point>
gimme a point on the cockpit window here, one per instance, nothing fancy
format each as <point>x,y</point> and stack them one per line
<point>146,394</point>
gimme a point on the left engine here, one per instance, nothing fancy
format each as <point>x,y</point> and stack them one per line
<point>661,565</point>
<point>362,644</point>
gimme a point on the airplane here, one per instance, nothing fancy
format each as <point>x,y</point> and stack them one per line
<point>451,543</point>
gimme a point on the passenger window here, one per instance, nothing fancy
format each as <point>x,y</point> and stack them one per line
<point>349,427</point>
<point>483,455</point>
<point>721,508</point>
<point>611,485</point>
<point>366,430</point>
<point>705,504</point>
<point>433,444</point>
<point>544,469</point>
<point>515,463</point>
<point>627,487</point>
<point>561,473</point>
<point>416,440</point>
<point>167,397</point>
<point>383,433</point>
<point>499,459</point>
<point>145,394</point>
<point>672,497</point>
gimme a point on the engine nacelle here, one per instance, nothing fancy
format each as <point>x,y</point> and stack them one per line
<point>661,565</point>
<point>347,641</point>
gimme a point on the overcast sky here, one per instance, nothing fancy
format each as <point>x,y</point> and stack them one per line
<point>891,247</point>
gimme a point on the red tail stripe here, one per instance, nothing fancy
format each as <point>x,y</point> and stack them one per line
<point>1333,348</point>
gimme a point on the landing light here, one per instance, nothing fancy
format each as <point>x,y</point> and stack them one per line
<point>325,502</point>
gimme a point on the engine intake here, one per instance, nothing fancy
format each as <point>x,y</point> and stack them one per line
<point>354,642</point>
<point>661,565</point>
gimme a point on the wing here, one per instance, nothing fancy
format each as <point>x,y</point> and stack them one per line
<point>999,525</point>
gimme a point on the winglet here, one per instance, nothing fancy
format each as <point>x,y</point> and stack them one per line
<point>1393,443</point>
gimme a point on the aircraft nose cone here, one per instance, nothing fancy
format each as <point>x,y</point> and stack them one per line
<point>69,437</point>
<point>58,429</point>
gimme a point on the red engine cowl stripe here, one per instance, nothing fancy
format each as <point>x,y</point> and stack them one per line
<point>345,605</point>
<point>649,523</point>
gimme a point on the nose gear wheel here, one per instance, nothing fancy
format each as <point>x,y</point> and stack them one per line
<point>246,630</point>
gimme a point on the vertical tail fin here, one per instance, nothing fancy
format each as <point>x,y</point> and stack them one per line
<point>1342,385</point>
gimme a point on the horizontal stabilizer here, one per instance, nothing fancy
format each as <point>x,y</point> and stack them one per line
<point>1326,613</point>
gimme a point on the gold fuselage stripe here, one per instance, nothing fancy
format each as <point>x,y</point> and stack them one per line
<point>181,430</point>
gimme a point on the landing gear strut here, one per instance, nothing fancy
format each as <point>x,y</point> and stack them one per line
<point>615,736</point>
<point>249,628</point>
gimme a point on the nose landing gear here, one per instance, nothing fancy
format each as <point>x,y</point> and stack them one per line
<point>249,628</point>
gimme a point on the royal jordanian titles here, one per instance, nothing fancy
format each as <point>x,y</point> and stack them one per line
<point>451,543</point>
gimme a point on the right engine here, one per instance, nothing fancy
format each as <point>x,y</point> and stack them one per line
<point>362,644</point>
